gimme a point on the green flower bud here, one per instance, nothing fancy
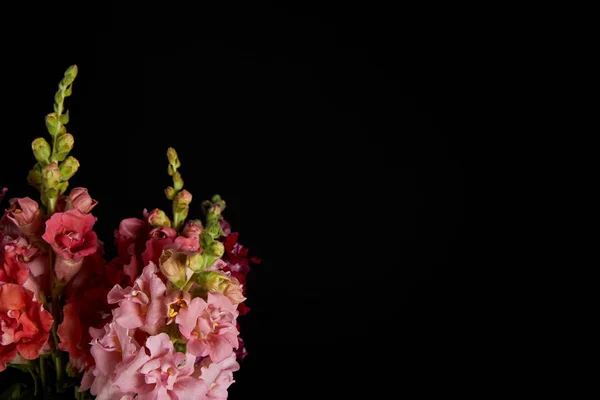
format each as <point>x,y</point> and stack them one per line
<point>70,75</point>
<point>158,218</point>
<point>35,177</point>
<point>183,199</point>
<point>196,262</point>
<point>41,150</point>
<point>173,159</point>
<point>216,249</point>
<point>58,97</point>
<point>52,123</point>
<point>177,181</point>
<point>65,143</point>
<point>51,176</point>
<point>205,240</point>
<point>211,281</point>
<point>213,228</point>
<point>170,193</point>
<point>69,167</point>
<point>199,262</point>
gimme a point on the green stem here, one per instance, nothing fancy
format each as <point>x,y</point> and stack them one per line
<point>43,374</point>
<point>35,383</point>
<point>57,289</point>
<point>51,206</point>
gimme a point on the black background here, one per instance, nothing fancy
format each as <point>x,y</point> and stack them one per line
<point>329,132</point>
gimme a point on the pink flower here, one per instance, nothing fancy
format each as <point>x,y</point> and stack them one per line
<point>24,324</point>
<point>143,305</point>
<point>70,235</point>
<point>158,372</point>
<point>25,213</point>
<point>111,346</point>
<point>3,191</point>
<point>80,199</point>
<point>218,376</point>
<point>209,327</point>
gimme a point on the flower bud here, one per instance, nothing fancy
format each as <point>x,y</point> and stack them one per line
<point>173,266</point>
<point>69,167</point>
<point>216,249</point>
<point>64,143</point>
<point>158,218</point>
<point>212,281</point>
<point>213,228</point>
<point>41,150</point>
<point>197,262</point>
<point>70,75</point>
<point>177,181</point>
<point>35,177</point>
<point>51,175</point>
<point>170,193</point>
<point>192,229</point>
<point>173,159</point>
<point>52,123</point>
<point>80,199</point>
<point>183,199</point>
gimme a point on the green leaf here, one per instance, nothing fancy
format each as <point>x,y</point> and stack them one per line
<point>64,119</point>
<point>14,391</point>
<point>68,90</point>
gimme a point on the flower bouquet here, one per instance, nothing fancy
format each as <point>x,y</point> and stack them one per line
<point>158,321</point>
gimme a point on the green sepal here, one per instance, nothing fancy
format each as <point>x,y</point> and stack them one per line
<point>180,346</point>
<point>64,119</point>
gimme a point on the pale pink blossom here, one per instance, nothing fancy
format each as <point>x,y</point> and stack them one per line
<point>110,347</point>
<point>143,305</point>
<point>158,372</point>
<point>217,376</point>
<point>209,326</point>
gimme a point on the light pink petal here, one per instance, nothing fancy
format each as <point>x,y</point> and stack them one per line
<point>106,361</point>
<point>197,347</point>
<point>116,294</point>
<point>159,345</point>
<point>189,388</point>
<point>221,302</point>
<point>220,348</point>
<point>128,315</point>
<point>186,319</point>
<point>128,377</point>
<point>158,308</point>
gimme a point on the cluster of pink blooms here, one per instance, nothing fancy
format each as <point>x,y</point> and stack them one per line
<point>159,321</point>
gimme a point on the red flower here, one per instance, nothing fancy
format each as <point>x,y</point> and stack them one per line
<point>70,235</point>
<point>24,324</point>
